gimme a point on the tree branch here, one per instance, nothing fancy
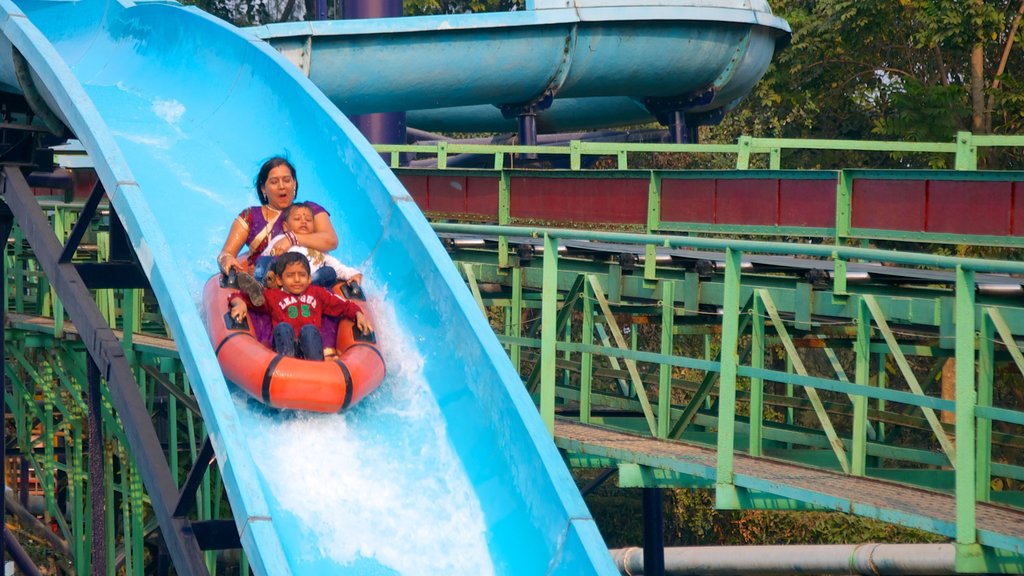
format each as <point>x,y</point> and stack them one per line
<point>943,75</point>
<point>868,68</point>
<point>1009,44</point>
<point>997,80</point>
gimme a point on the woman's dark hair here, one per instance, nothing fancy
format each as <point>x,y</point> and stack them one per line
<point>264,173</point>
<point>287,258</point>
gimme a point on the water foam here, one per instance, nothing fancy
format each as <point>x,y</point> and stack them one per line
<point>380,481</point>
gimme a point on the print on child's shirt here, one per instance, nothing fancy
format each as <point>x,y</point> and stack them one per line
<point>298,306</point>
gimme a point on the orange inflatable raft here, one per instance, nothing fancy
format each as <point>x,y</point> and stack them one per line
<point>320,386</point>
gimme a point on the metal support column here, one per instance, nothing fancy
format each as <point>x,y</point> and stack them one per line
<point>654,537</point>
<point>548,334</point>
<point>983,435</point>
<point>862,350</point>
<point>677,129</point>
<point>672,113</point>
<point>106,351</point>
<point>528,127</point>
<point>97,480</point>
<point>587,358</point>
<point>320,10</point>
<point>725,491</point>
<point>525,115</point>
<point>6,223</point>
<point>668,315</point>
<point>968,554</point>
<point>515,351</point>
<point>23,482</point>
<point>383,127</point>
<point>755,442</point>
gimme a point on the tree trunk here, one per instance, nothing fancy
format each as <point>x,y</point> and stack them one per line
<point>978,88</point>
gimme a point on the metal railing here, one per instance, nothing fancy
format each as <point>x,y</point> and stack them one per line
<point>964,149</point>
<point>746,311</point>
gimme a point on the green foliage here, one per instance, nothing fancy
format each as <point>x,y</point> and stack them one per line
<point>692,520</point>
<point>870,69</point>
<point>923,113</point>
<point>955,23</point>
<point>763,527</point>
<point>422,7</point>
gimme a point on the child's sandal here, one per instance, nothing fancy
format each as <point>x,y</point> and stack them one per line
<point>251,287</point>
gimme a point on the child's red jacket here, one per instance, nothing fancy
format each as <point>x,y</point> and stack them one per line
<point>300,310</point>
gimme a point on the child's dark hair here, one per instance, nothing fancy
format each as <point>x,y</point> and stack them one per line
<point>287,258</point>
<point>297,205</point>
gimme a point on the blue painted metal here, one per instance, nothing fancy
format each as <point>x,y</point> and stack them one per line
<point>564,115</point>
<point>177,110</point>
<point>675,49</point>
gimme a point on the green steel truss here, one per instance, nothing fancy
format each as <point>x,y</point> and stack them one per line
<point>823,372</point>
<point>46,373</point>
<point>845,380</point>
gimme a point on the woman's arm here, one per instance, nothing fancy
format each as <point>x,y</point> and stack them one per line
<point>236,239</point>
<point>323,238</point>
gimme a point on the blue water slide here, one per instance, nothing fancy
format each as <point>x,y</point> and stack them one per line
<point>447,468</point>
<point>596,63</point>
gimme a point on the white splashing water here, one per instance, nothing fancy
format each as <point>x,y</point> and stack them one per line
<point>169,111</point>
<point>380,481</point>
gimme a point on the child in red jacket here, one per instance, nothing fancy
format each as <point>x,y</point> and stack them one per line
<point>296,308</point>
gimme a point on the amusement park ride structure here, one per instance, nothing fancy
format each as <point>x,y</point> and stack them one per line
<point>175,109</point>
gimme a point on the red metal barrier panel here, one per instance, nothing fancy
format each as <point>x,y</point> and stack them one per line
<point>938,206</point>
<point>416,185</point>
<point>751,202</point>
<point>1017,210</point>
<point>888,204</point>
<point>809,203</point>
<point>747,201</point>
<point>684,200</point>
<point>572,200</point>
<point>482,196</point>
<point>470,196</point>
<point>446,194</point>
<point>969,207</point>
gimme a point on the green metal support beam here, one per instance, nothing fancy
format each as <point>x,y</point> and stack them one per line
<point>812,394</point>
<point>549,333</point>
<point>910,377</point>
<point>613,326</point>
<point>726,496</point>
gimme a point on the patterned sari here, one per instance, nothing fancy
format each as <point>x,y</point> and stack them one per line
<point>259,231</point>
